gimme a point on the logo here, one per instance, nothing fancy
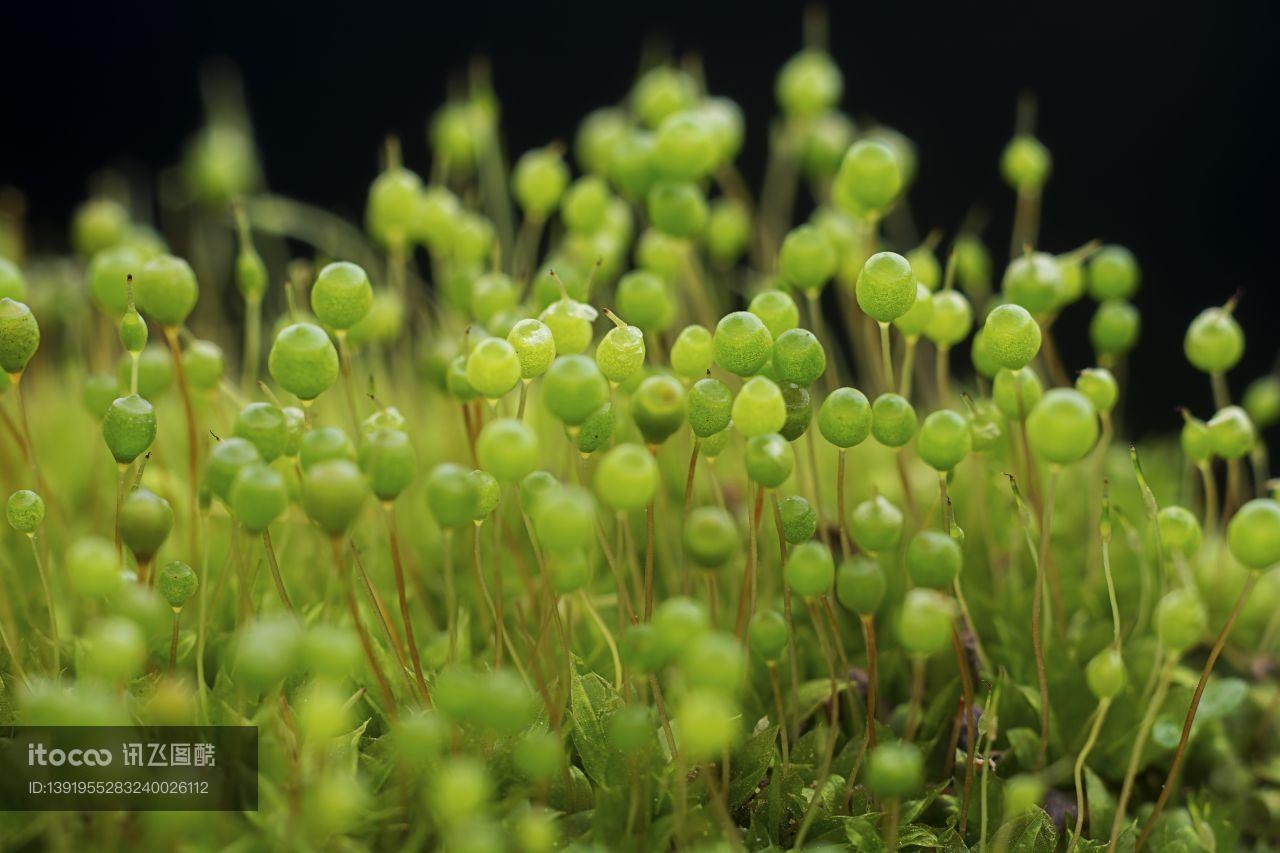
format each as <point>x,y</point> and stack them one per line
<point>39,754</point>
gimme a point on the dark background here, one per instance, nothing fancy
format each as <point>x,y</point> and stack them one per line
<point>1160,116</point>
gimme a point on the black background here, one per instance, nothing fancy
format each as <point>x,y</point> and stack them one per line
<point>1160,116</point>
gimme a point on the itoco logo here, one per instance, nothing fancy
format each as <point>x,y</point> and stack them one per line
<point>37,753</point>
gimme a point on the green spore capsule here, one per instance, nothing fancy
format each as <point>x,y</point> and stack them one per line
<point>626,478</point>
<point>799,520</point>
<point>770,460</point>
<point>798,357</point>
<point>488,494</point>
<point>341,295</point>
<point>1100,386</point>
<point>829,138</point>
<point>895,770</point>
<point>647,300</point>
<point>535,347</point>
<point>596,136</point>
<point>146,519</point>
<point>1179,530</point>
<point>108,275</point>
<point>844,418</point>
<point>685,147</point>
<point>392,206</point>
<point>1231,433</point>
<point>323,444</point>
<point>876,524</point>
<point>263,425</point>
<point>564,519</point>
<point>508,449</point>
<point>869,179</point>
<point>944,440</point>
<point>389,418</point>
<point>715,444</point>
<point>1105,674</point>
<point>114,650</point>
<point>886,287</point>
<point>388,461</point>
<point>98,224</point>
<point>728,231</point>
<point>759,408</point>
<point>1113,273</point>
<point>693,352</point>
<point>768,634</point>
<point>1253,535</point>
<point>631,164</point>
<point>92,567</point>
<point>573,388</point>
<point>934,559</point>
<point>1063,427</point>
<point>451,495</point>
<point>25,511</point>
<point>204,365</point>
<point>1195,439</point>
<point>493,368</point>
<point>1262,401</point>
<point>1016,392</point>
<point>807,260</point>
<point>925,622</point>
<point>893,420</point>
<point>1034,281</point>
<point>492,294</point>
<point>658,407</point>
<point>13,285</point>
<point>1012,336</point>
<point>570,324</point>
<point>777,310</point>
<point>951,319</point>
<point>1214,342</point>
<point>808,84</point>
<point>1025,164</point>
<point>620,353</point>
<point>597,430</point>
<point>538,180</point>
<point>1115,328</point>
<point>710,406</point>
<point>715,661</point>
<point>456,381</point>
<point>332,494</point>
<point>166,290</point>
<point>129,428</point>
<point>569,571</point>
<point>677,208</point>
<point>798,406</point>
<point>225,461</point>
<point>860,585</point>
<point>258,496</point>
<point>661,91</point>
<point>438,209</point>
<point>177,583</point>
<point>742,343</point>
<point>585,203</point>
<point>1181,620</point>
<point>19,336</point>
<point>133,331</point>
<point>303,361</point>
<point>913,323</point>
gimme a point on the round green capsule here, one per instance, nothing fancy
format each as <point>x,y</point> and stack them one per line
<point>934,559</point>
<point>155,371</point>
<point>1262,401</point>
<point>1214,342</point>
<point>807,260</point>
<point>808,84</point>
<point>388,461</point>
<point>777,310</point>
<point>452,495</point>
<point>1113,273</point>
<point>913,323</point>
<point>1025,164</point>
<point>258,496</point>
<point>925,622</point>
<point>620,353</point>
<point>108,274</point>
<point>798,405</point>
<point>799,520</point>
<point>886,287</point>
<point>129,428</point>
<point>392,206</point>
<point>1115,327</point>
<point>742,343</point>
<point>769,460</point>
<point>133,331</point>
<point>166,290</point>
<point>535,347</point>
<point>263,425</point>
<point>226,459</point>
<point>647,300</point>
<point>693,352</point>
<point>710,406</point>
<point>876,524</point>
<point>341,295</point>
<point>658,407</point>
<point>1016,392</point>
<point>177,582</point>
<point>1063,427</point>
<point>488,493</point>
<point>322,444</point>
<point>508,449</point>
<point>332,494</point>
<point>711,537</point>
<point>810,571</point>
<point>768,634</point>
<point>845,417</point>
<point>493,368</point>
<point>1034,281</point>
<point>597,430</point>
<point>869,180</point>
<point>585,203</point>
<point>146,519</point>
<point>798,357</point>
<point>538,180</point>
<point>728,231</point>
<point>1105,674</point>
<point>685,146</point>
<point>661,91</point>
<point>1012,336</point>
<point>569,571</point>
<point>574,388</point>
<point>860,585</point>
<point>303,361</point>
<point>92,567</point>
<point>13,285</point>
<point>944,440</point>
<point>677,208</point>
<point>1179,530</point>
<point>759,408</point>
<point>1181,620</point>
<point>1253,535</point>
<point>25,511</point>
<point>895,770</point>
<point>564,519</point>
<point>204,365</point>
<point>951,319</point>
<point>1231,433</point>
<point>570,323</point>
<point>893,420</point>
<point>19,336</point>
<point>1100,386</point>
